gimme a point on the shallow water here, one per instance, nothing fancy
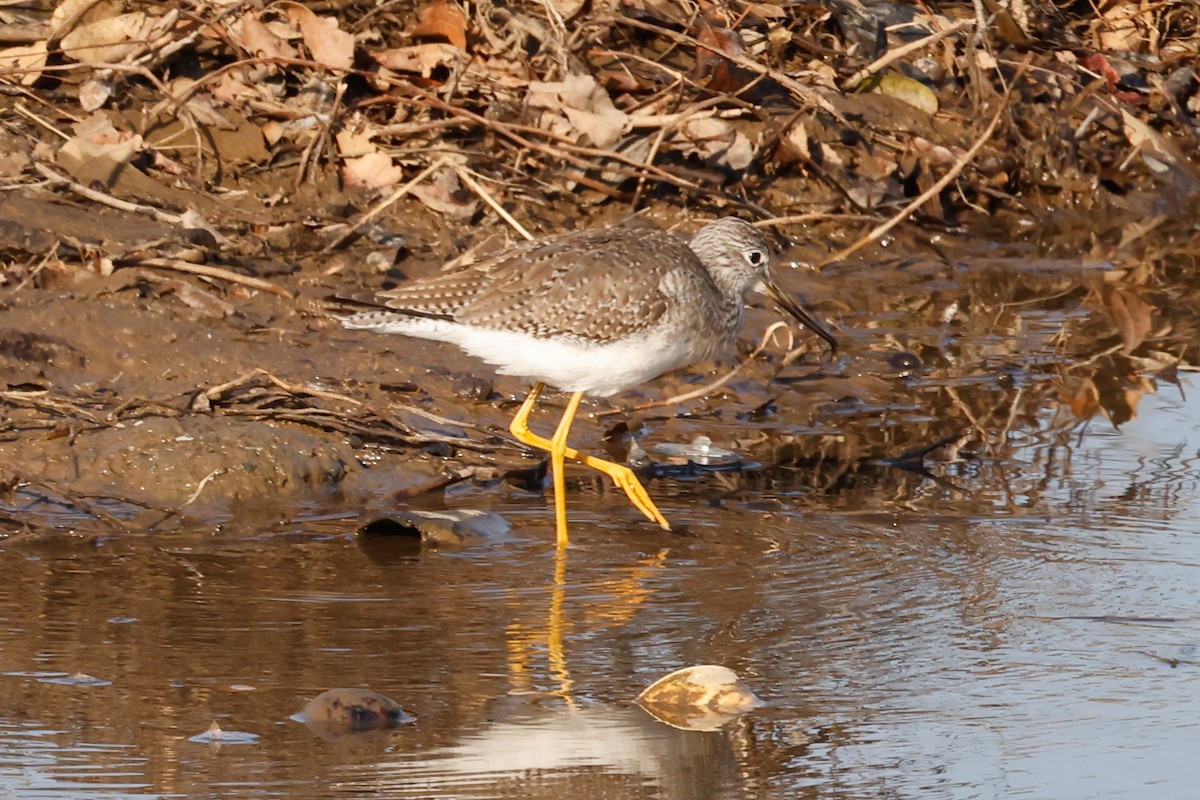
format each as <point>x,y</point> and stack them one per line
<point>1031,633</point>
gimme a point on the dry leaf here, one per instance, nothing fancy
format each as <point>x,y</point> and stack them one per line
<point>259,40</point>
<point>586,106</point>
<point>620,80</point>
<point>440,193</point>
<point>85,10</point>
<point>797,138</point>
<point>717,141</point>
<point>231,89</point>
<point>106,159</point>
<point>193,296</point>
<point>440,20</point>
<point>98,129</point>
<point>371,171</point>
<point>200,104</point>
<point>1119,28</point>
<point>329,45</point>
<point>913,92</point>
<point>717,72</point>
<point>272,131</point>
<point>767,11</point>
<point>13,164</point>
<point>106,41</point>
<point>568,8</point>
<point>93,94</point>
<point>354,143</point>
<point>23,63</point>
<point>422,59</point>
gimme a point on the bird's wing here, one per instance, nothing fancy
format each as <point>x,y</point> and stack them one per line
<point>600,285</point>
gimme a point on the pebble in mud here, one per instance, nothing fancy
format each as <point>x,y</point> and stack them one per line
<point>451,527</point>
<point>904,363</point>
<point>473,388</point>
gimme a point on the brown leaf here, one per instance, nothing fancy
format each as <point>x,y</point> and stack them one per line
<point>108,40</point>
<point>329,45</point>
<point>371,171</point>
<point>586,106</point>
<point>23,63</point>
<point>1130,313</point>
<point>422,59</point>
<point>440,20</point>
<point>259,40</point>
<point>716,71</point>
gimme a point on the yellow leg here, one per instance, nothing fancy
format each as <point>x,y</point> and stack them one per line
<point>558,451</point>
<point>621,475</point>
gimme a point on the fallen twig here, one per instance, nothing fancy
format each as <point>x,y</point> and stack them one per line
<point>215,392</point>
<point>466,178</point>
<point>106,199</point>
<point>210,272</point>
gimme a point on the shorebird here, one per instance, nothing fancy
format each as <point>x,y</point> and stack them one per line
<point>591,312</point>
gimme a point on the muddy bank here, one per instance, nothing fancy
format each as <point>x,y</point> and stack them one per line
<point>180,199</point>
<point>156,398</point>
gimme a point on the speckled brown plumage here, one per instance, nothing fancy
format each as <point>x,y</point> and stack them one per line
<point>599,285</point>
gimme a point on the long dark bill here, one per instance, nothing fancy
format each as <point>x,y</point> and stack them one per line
<point>803,317</point>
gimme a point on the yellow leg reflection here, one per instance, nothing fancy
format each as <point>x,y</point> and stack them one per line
<point>556,654</point>
<point>622,476</point>
<point>525,642</point>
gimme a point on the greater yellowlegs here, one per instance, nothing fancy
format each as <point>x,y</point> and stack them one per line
<point>591,312</point>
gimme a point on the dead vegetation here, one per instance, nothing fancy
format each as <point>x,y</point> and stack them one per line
<point>790,110</point>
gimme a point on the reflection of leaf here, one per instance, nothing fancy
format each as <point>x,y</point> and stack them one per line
<point>1084,403</point>
<point>440,20</point>
<point>1117,388</point>
<point>1135,390</point>
<point>1130,313</point>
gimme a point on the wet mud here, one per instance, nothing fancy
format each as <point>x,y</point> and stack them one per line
<point>133,405</point>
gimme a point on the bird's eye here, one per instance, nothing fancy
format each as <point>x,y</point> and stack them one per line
<point>756,258</point>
